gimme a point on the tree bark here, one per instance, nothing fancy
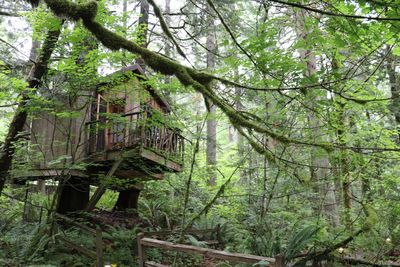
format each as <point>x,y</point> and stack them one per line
<point>127,199</point>
<point>17,124</point>
<point>74,195</point>
<point>394,89</point>
<point>319,170</point>
<point>211,150</point>
<point>143,29</point>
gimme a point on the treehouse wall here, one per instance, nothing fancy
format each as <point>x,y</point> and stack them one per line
<point>129,92</point>
<point>62,135</point>
<point>59,135</point>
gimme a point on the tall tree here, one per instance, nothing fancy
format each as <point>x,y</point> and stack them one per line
<point>319,161</point>
<point>211,150</point>
<point>36,73</point>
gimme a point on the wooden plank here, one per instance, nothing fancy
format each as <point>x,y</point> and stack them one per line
<point>102,188</point>
<point>279,261</point>
<point>141,251</point>
<point>150,242</point>
<point>212,253</point>
<point>238,257</point>
<point>45,174</point>
<point>78,247</point>
<point>154,264</point>
<point>170,232</point>
<point>150,155</point>
<point>79,225</point>
<point>99,249</point>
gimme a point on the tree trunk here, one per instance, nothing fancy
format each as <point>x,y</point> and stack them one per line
<point>74,195</point>
<point>322,185</point>
<point>394,89</point>
<point>127,199</point>
<point>211,150</point>
<point>143,29</point>
<point>17,124</point>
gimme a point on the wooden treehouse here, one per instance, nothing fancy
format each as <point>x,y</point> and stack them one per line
<point>116,137</point>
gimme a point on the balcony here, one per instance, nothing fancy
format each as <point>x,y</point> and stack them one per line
<point>144,144</point>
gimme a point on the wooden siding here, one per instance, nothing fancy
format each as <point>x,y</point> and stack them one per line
<point>60,139</point>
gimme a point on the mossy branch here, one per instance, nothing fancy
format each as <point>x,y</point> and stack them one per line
<point>217,195</point>
<point>199,80</point>
<point>165,27</point>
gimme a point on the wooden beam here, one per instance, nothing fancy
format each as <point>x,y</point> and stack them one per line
<point>141,251</point>
<point>153,156</point>
<point>170,232</point>
<point>79,225</point>
<point>78,247</point>
<point>102,188</point>
<point>154,264</point>
<point>99,249</point>
<point>211,253</point>
<point>45,174</point>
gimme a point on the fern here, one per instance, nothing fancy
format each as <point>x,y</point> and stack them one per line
<point>196,242</point>
<point>299,240</point>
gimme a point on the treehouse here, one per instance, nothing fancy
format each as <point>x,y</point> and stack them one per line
<point>118,136</point>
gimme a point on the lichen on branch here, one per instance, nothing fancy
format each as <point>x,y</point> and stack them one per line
<point>198,80</point>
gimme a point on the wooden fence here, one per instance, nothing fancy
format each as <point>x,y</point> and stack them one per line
<point>208,254</point>
<point>214,234</point>
<point>96,233</point>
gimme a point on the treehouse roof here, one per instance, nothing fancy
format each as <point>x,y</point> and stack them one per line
<point>139,73</point>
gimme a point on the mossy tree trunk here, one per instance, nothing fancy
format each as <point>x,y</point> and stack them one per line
<point>74,195</point>
<point>127,200</point>
<point>391,65</point>
<point>143,29</point>
<point>18,122</point>
<point>320,176</point>
<point>211,149</point>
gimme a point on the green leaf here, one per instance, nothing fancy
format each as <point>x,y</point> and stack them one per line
<point>299,240</point>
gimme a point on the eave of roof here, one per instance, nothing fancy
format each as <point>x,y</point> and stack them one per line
<point>135,68</point>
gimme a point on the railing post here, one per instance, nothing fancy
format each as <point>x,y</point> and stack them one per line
<point>99,249</point>
<point>141,250</point>
<point>218,235</point>
<point>207,260</point>
<point>279,261</point>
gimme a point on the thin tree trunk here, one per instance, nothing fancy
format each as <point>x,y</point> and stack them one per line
<point>394,89</point>
<point>124,28</point>
<point>143,29</point>
<point>211,150</point>
<point>128,198</point>
<point>344,164</point>
<point>17,124</point>
<point>319,170</point>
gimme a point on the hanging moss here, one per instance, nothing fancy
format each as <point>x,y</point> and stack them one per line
<point>86,11</point>
<point>200,81</point>
<point>164,27</point>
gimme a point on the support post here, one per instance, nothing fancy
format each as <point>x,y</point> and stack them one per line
<point>101,189</point>
<point>99,249</point>
<point>279,261</point>
<point>141,251</point>
<point>219,239</point>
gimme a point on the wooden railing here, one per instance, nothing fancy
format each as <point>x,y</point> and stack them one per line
<point>214,234</point>
<point>97,240</point>
<point>133,130</point>
<point>208,254</point>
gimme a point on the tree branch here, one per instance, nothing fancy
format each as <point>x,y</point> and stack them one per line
<point>165,28</point>
<point>328,13</point>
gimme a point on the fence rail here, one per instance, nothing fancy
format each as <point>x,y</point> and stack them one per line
<point>208,254</point>
<point>97,240</point>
